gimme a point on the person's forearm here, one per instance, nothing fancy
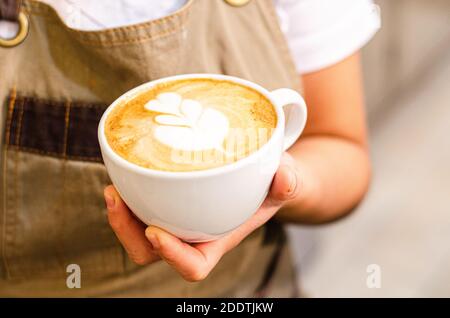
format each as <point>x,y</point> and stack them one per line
<point>333,175</point>
<point>331,156</point>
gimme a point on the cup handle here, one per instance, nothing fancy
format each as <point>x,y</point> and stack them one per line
<point>294,108</point>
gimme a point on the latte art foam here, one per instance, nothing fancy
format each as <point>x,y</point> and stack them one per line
<point>188,125</point>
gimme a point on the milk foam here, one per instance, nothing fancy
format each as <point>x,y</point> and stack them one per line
<point>186,124</point>
<point>189,125</point>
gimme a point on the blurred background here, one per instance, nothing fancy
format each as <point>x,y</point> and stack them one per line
<point>403,225</point>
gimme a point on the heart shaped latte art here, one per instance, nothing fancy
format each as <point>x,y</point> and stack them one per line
<point>186,125</point>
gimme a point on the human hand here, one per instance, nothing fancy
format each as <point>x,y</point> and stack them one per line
<point>194,261</point>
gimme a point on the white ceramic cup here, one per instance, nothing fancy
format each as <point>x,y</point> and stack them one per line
<point>204,205</point>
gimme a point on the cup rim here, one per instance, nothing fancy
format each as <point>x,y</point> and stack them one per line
<point>118,160</point>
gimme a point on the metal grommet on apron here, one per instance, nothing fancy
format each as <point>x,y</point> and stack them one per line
<point>10,11</point>
<point>237,3</point>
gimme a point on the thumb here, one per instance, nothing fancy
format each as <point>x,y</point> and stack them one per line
<point>285,184</point>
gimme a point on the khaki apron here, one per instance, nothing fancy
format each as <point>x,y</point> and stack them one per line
<point>54,87</point>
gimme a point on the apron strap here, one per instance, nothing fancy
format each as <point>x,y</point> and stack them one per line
<point>9,9</point>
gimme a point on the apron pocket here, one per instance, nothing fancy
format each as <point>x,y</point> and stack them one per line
<point>54,180</point>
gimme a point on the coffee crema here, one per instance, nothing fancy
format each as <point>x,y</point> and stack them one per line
<point>189,125</point>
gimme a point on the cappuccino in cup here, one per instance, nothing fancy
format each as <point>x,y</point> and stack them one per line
<point>195,154</point>
<point>190,125</point>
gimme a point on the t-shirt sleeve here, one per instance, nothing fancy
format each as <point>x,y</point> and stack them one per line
<point>321,33</point>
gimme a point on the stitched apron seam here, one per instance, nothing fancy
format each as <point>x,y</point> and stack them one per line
<point>66,128</point>
<point>34,7</point>
<point>179,17</point>
<point>14,246</point>
<point>52,154</point>
<point>137,40</point>
<point>11,105</point>
<point>5,189</point>
<point>19,125</point>
<point>73,104</point>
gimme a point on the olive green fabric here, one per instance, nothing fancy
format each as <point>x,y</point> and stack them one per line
<point>52,212</point>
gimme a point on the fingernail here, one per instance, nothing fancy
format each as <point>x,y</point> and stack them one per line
<point>292,181</point>
<point>110,202</point>
<point>154,240</point>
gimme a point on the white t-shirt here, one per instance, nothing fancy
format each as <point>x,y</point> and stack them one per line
<point>320,33</point>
